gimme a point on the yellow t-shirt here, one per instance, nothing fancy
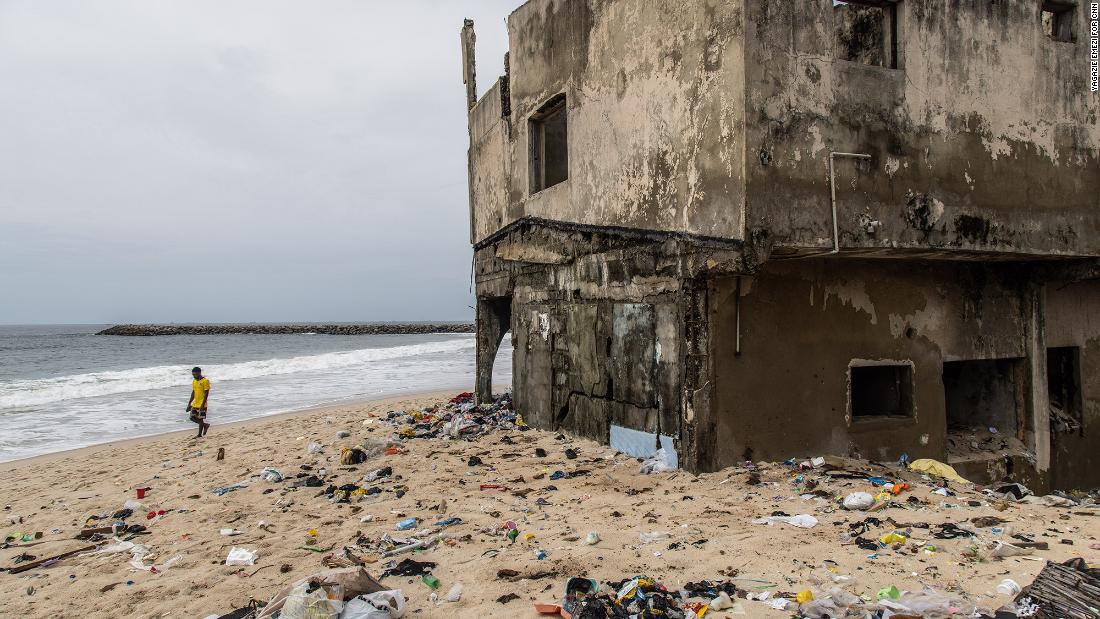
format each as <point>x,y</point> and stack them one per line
<point>198,392</point>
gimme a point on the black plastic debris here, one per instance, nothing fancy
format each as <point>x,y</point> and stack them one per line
<point>409,567</point>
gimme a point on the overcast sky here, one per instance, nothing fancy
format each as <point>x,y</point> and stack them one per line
<point>233,160</point>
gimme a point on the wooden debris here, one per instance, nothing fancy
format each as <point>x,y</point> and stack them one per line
<point>22,567</point>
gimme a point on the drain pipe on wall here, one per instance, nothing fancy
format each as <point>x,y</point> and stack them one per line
<point>832,193</point>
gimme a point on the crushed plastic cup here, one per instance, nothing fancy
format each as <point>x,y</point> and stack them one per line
<point>722,602</point>
<point>1009,587</point>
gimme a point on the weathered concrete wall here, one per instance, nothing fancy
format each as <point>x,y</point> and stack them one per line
<point>802,324</point>
<point>489,177</point>
<point>1072,319</point>
<point>985,137</point>
<point>598,336</point>
<point>699,136</point>
<point>655,117</point>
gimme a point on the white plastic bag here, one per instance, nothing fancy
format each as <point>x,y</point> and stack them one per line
<point>241,556</point>
<point>324,602</point>
<point>858,501</point>
<point>658,463</point>
<point>927,603</point>
<point>1004,549</point>
<point>381,605</point>
<point>802,521</point>
<point>654,536</point>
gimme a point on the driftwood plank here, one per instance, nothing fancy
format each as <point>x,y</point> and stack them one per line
<point>1065,591</point>
<point>30,565</point>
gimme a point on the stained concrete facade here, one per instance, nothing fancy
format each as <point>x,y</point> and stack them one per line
<point>792,228</point>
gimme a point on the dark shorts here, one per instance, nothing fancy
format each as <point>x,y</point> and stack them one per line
<point>198,416</point>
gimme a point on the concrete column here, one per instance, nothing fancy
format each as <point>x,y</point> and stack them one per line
<point>1038,402</point>
<point>699,428</point>
<point>469,68</point>
<point>494,318</point>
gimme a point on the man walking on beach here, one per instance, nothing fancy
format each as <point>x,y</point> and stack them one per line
<point>200,396</point>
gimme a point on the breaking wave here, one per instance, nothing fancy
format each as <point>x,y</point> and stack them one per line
<point>33,392</point>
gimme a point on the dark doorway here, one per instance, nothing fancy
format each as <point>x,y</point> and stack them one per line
<point>1064,389</point>
<point>494,318</point>
<point>984,394</point>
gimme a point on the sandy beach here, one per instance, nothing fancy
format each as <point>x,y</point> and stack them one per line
<point>703,523</point>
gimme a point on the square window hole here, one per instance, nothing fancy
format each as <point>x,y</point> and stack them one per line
<point>549,141</point>
<point>1058,20</point>
<point>881,390</point>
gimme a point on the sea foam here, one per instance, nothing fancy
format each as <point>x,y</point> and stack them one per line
<point>33,392</point>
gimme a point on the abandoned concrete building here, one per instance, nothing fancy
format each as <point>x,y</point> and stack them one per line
<point>762,229</point>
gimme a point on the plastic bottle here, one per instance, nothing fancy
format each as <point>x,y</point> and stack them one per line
<point>431,581</point>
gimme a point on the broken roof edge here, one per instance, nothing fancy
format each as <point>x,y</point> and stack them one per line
<point>617,231</point>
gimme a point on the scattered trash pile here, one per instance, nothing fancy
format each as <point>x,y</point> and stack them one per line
<point>99,538</point>
<point>641,597</point>
<point>459,418</point>
<point>985,538</point>
<point>964,443</point>
<point>347,593</point>
<point>644,598</point>
<point>892,515</point>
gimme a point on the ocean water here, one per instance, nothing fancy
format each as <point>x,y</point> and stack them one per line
<point>63,386</point>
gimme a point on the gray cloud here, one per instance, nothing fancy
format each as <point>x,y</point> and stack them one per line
<point>245,160</point>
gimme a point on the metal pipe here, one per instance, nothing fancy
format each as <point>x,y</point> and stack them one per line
<point>737,313</point>
<point>832,193</point>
